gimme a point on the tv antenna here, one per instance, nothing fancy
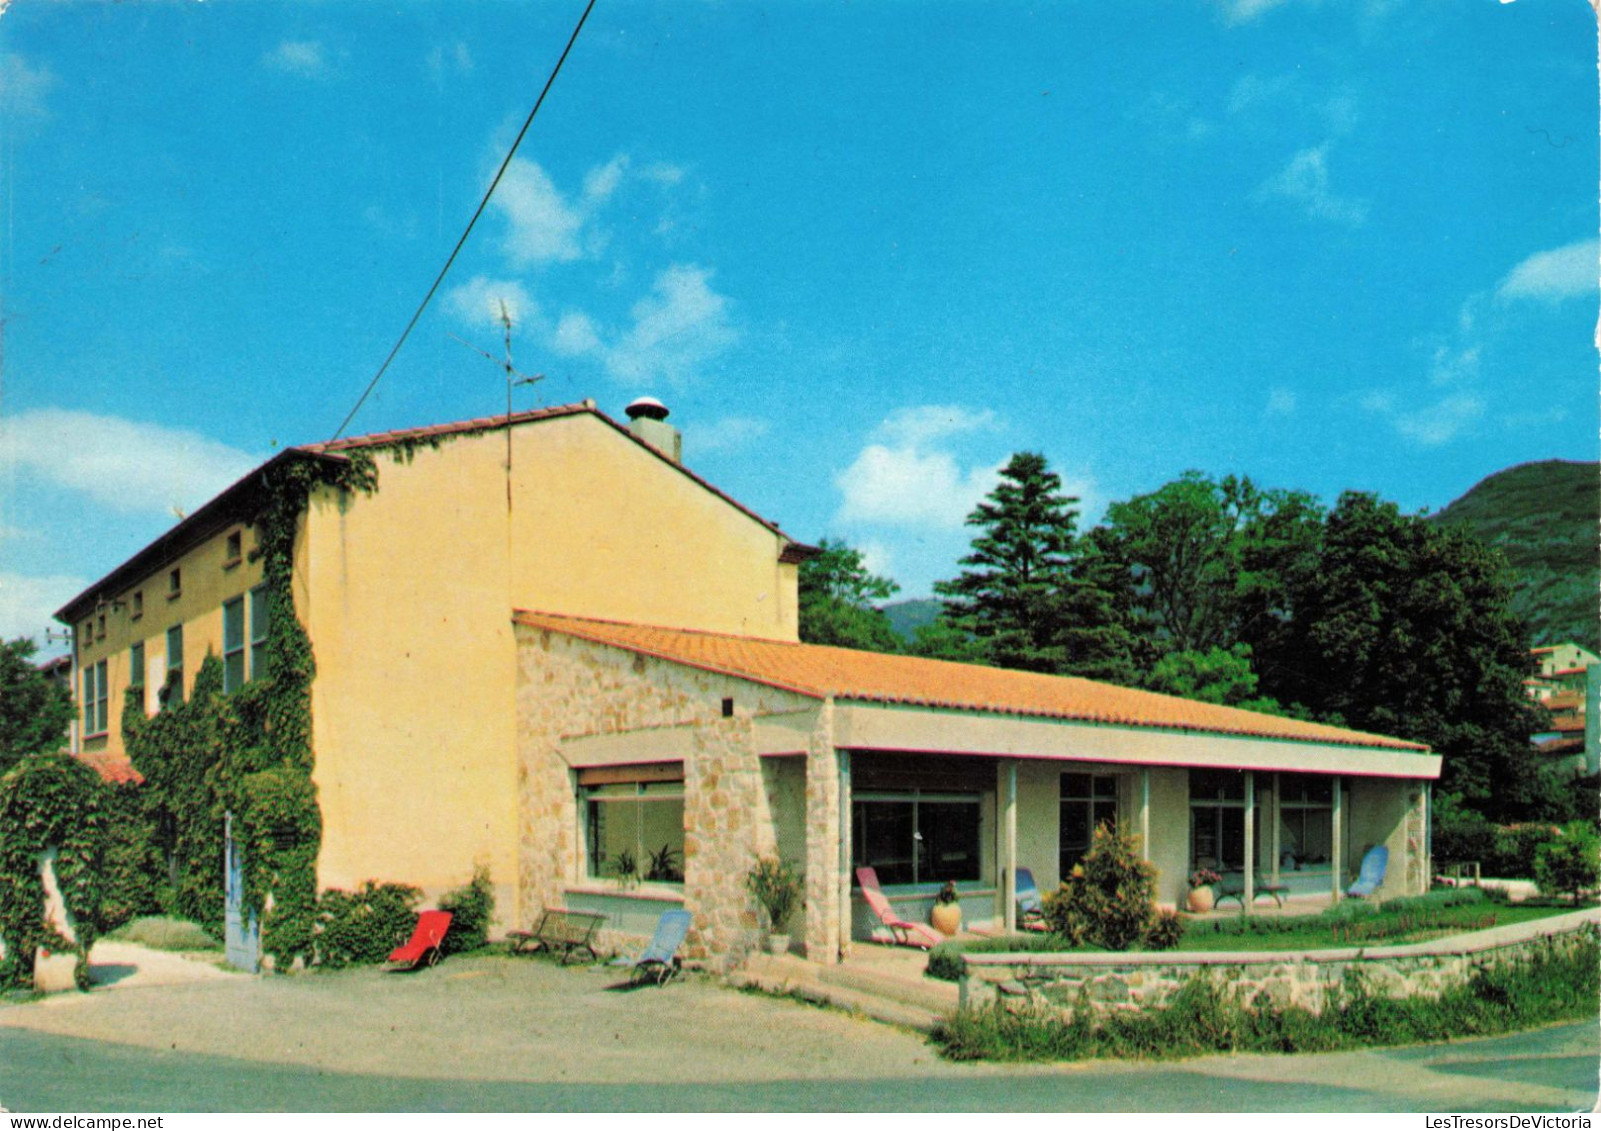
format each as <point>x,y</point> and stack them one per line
<point>513,379</point>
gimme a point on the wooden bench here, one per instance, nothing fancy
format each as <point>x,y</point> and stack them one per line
<point>563,932</point>
<point>1233,887</point>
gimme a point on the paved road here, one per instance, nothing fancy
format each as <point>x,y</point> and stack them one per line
<point>1551,1070</point>
<point>489,1034</point>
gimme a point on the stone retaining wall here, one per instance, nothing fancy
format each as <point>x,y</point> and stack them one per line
<point>1306,979</point>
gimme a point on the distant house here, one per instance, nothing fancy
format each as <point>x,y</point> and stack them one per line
<point>545,645</point>
<point>1568,686</point>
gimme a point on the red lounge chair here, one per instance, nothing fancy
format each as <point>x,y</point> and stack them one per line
<point>422,949</point>
<point>904,931</point>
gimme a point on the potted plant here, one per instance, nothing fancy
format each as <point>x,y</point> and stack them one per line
<point>772,880</point>
<point>1202,897</point>
<point>947,913</point>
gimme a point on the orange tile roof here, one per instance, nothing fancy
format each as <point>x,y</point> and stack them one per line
<point>819,671</point>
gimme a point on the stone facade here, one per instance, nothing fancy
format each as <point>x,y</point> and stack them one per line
<point>568,688</point>
<point>1308,980</point>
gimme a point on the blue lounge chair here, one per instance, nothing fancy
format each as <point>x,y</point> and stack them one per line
<point>659,961</point>
<point>1372,874</point>
<point>1030,908</point>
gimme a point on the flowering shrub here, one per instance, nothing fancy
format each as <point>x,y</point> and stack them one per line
<point>1204,878</point>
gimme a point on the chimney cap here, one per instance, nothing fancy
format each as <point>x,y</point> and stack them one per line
<point>648,407</point>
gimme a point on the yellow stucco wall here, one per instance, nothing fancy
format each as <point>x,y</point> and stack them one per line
<point>407,595</point>
<point>208,577</point>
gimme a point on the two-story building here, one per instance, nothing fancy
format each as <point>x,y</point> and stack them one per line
<point>544,645</point>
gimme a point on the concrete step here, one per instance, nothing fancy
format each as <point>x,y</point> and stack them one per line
<point>908,987</point>
<point>809,989</point>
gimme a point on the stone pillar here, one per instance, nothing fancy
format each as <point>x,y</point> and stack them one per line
<point>827,883</point>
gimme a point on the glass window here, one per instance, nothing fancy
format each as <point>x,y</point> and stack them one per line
<point>103,696</point>
<point>1306,820</point>
<point>138,604</point>
<point>258,632</point>
<point>89,698</point>
<point>636,828</point>
<point>136,665</point>
<point>233,644</point>
<point>1217,819</point>
<point>1087,801</point>
<point>172,689</point>
<point>913,837</point>
<point>235,548</point>
<point>174,583</point>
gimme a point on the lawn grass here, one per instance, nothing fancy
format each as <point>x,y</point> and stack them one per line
<point>1319,934</point>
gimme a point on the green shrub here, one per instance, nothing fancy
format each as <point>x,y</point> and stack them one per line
<point>1570,863</point>
<point>1109,898</point>
<point>471,908</point>
<point>162,933</point>
<point>365,925</point>
<point>1461,834</point>
<point>946,962</point>
<point>131,866</point>
<point>1165,932</point>
<point>1516,847</point>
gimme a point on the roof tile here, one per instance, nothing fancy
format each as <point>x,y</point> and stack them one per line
<point>820,671</point>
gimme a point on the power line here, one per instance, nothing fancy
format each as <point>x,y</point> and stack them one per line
<point>479,211</point>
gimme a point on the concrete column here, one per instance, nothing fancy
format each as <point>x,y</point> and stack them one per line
<point>1337,837</point>
<point>1275,817</point>
<point>846,837</point>
<point>1145,813</point>
<point>1428,835</point>
<point>1008,885</point>
<point>1250,838</point>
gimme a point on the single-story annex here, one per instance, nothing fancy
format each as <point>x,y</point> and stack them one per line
<point>545,646</point>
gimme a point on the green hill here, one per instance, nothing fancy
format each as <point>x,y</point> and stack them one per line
<point>906,617</point>
<point>1545,518</point>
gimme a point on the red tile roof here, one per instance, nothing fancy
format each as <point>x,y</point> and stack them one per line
<point>819,671</point>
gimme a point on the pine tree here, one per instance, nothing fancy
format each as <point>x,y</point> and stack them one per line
<point>1022,598</point>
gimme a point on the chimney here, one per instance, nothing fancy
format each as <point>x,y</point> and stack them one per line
<point>647,420</point>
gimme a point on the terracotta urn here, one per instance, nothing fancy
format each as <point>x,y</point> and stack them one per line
<point>947,918</point>
<point>1201,899</point>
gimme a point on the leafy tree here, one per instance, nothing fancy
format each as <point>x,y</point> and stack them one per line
<point>1569,863</point>
<point>1220,675</point>
<point>836,601</point>
<point>1406,628</point>
<point>1022,598</point>
<point>1201,564</point>
<point>35,710</point>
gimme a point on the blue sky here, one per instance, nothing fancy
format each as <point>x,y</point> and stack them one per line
<point>864,251</point>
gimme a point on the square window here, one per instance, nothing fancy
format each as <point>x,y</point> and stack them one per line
<point>235,550</point>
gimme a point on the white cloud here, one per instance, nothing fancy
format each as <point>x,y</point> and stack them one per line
<point>28,604</point>
<point>478,301</point>
<point>727,434</point>
<point>541,225</point>
<point>923,424</point>
<point>301,57</point>
<point>1440,422</point>
<point>125,465</point>
<point>676,329</point>
<point>446,58</point>
<point>1305,182</point>
<point>1281,402</point>
<point>663,174</point>
<point>1562,272</point>
<point>1244,11</point>
<point>575,336</point>
<point>905,479</point>
<point>601,181</point>
<point>23,88</point>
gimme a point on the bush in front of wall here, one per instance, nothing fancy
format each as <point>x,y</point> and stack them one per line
<point>364,926</point>
<point>1109,897</point>
<point>471,908</point>
<point>132,866</point>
